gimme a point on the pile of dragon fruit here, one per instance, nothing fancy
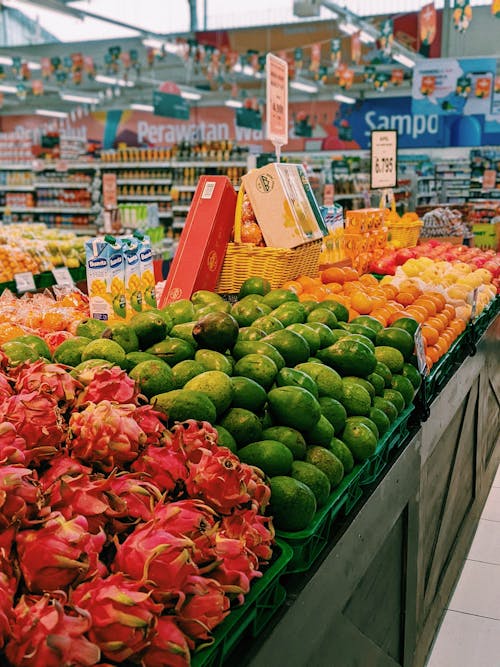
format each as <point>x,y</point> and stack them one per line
<point>120,541</point>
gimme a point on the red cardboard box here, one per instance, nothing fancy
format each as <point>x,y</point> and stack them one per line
<point>198,260</point>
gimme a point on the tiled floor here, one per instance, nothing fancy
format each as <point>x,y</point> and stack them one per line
<point>469,635</point>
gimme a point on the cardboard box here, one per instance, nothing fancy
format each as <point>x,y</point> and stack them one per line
<point>284,205</point>
<point>198,260</point>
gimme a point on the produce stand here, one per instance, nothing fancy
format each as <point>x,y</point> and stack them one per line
<point>376,594</point>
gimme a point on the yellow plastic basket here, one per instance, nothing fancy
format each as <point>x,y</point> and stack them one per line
<point>404,234</point>
<point>277,265</point>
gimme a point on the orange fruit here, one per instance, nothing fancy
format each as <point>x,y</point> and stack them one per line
<point>353,314</point>
<point>378,301</point>
<point>293,286</point>
<point>430,335</point>
<point>405,298</point>
<point>443,346</point>
<point>449,310</point>
<point>335,288</point>
<point>417,312</point>
<point>438,298</point>
<point>433,352</point>
<point>362,303</point>
<point>448,336</point>
<point>436,323</point>
<point>307,296</point>
<point>443,318</point>
<point>350,274</point>
<point>428,304</point>
<point>333,275</point>
<point>321,292</point>
<point>389,290</point>
<point>429,362</point>
<point>457,326</point>
<point>396,315</point>
<point>368,279</point>
<point>436,301</point>
<point>307,282</point>
<point>380,315</point>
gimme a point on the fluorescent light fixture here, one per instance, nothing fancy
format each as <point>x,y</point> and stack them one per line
<point>366,38</point>
<point>304,87</point>
<point>5,60</point>
<point>51,112</point>
<point>344,98</point>
<point>111,80</point>
<point>34,65</point>
<point>153,43</point>
<point>170,47</point>
<point>347,28</point>
<point>403,60</point>
<point>235,104</point>
<point>7,89</point>
<point>188,95</point>
<point>142,107</point>
<point>83,99</point>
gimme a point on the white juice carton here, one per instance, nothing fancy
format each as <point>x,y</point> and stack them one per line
<point>148,283</point>
<point>133,287</point>
<point>105,279</point>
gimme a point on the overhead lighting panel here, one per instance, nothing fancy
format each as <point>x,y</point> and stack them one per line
<point>52,113</point>
<point>403,60</point>
<point>82,99</point>
<point>4,88</point>
<point>142,107</point>
<point>347,28</point>
<point>304,86</point>
<point>235,104</point>
<point>344,98</point>
<point>112,81</point>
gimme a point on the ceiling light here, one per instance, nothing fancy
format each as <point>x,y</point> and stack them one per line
<point>235,104</point>
<point>51,112</point>
<point>113,81</point>
<point>187,95</point>
<point>7,89</point>
<point>152,43</point>
<point>344,98</point>
<point>366,38</point>
<point>34,65</point>
<point>83,99</point>
<point>304,87</point>
<point>5,60</point>
<point>142,107</point>
<point>403,60</point>
<point>347,28</point>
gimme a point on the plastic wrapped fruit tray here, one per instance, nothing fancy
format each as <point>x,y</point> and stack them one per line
<point>45,279</point>
<point>396,436</point>
<point>308,544</point>
<point>266,596</point>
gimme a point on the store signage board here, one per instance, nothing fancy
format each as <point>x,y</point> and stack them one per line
<point>109,191</point>
<point>25,282</point>
<point>251,118</point>
<point>63,277</point>
<point>276,102</point>
<point>168,102</point>
<point>383,159</point>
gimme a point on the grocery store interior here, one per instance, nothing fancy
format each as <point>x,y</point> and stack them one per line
<point>250,333</point>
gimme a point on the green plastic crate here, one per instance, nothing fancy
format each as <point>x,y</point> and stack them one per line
<point>308,544</point>
<point>477,328</point>
<point>443,370</point>
<point>265,598</point>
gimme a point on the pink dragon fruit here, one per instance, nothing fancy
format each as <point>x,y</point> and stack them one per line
<point>12,446</point>
<point>20,496</point>
<point>204,608</point>
<point>254,530</point>
<point>169,646</point>
<point>151,422</point>
<point>123,615</point>
<point>154,555</point>
<point>105,434</point>
<point>60,553</point>
<point>192,435</point>
<point>135,499</point>
<point>217,479</point>
<point>166,467</point>
<point>8,586</point>
<point>5,387</point>
<point>48,633</point>
<point>237,566</point>
<point>62,466</point>
<point>38,420</point>
<point>195,520</point>
<point>107,384</point>
<point>46,378</point>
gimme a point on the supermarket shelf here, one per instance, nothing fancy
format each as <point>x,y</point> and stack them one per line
<point>144,181</point>
<point>66,185</point>
<point>165,214</point>
<point>53,166</point>
<point>180,209</point>
<point>13,166</point>
<point>136,198</point>
<point>50,209</point>
<point>75,229</point>
<point>184,188</point>
<point>17,188</point>
<point>172,164</point>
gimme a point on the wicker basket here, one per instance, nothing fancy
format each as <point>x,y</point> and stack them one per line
<point>405,234</point>
<point>277,265</point>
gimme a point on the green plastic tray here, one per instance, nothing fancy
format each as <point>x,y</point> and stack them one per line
<point>266,596</point>
<point>443,370</point>
<point>308,544</point>
<point>482,322</point>
<point>46,279</point>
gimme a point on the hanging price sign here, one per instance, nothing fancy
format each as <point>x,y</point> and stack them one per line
<point>25,282</point>
<point>63,277</point>
<point>420,352</point>
<point>384,159</point>
<point>276,102</point>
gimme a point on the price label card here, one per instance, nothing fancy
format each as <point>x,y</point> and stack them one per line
<point>276,100</point>
<point>384,159</point>
<point>420,351</point>
<point>63,276</point>
<point>473,312</point>
<point>25,282</point>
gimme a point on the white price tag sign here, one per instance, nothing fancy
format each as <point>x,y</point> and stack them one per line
<point>276,101</point>
<point>420,352</point>
<point>384,159</point>
<point>63,276</point>
<point>473,312</point>
<point>25,282</point>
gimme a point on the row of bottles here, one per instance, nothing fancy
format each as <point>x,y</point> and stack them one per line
<point>202,150</point>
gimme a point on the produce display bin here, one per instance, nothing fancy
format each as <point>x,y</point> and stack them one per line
<point>442,371</point>
<point>483,321</point>
<point>400,433</point>
<point>45,279</point>
<point>266,596</point>
<point>308,544</point>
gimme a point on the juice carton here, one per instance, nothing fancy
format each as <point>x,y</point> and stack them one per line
<point>105,278</point>
<point>148,283</point>
<point>133,287</point>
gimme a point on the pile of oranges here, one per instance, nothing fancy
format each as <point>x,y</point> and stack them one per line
<point>364,295</point>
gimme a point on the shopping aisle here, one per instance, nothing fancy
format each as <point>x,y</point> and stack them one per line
<point>469,635</point>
